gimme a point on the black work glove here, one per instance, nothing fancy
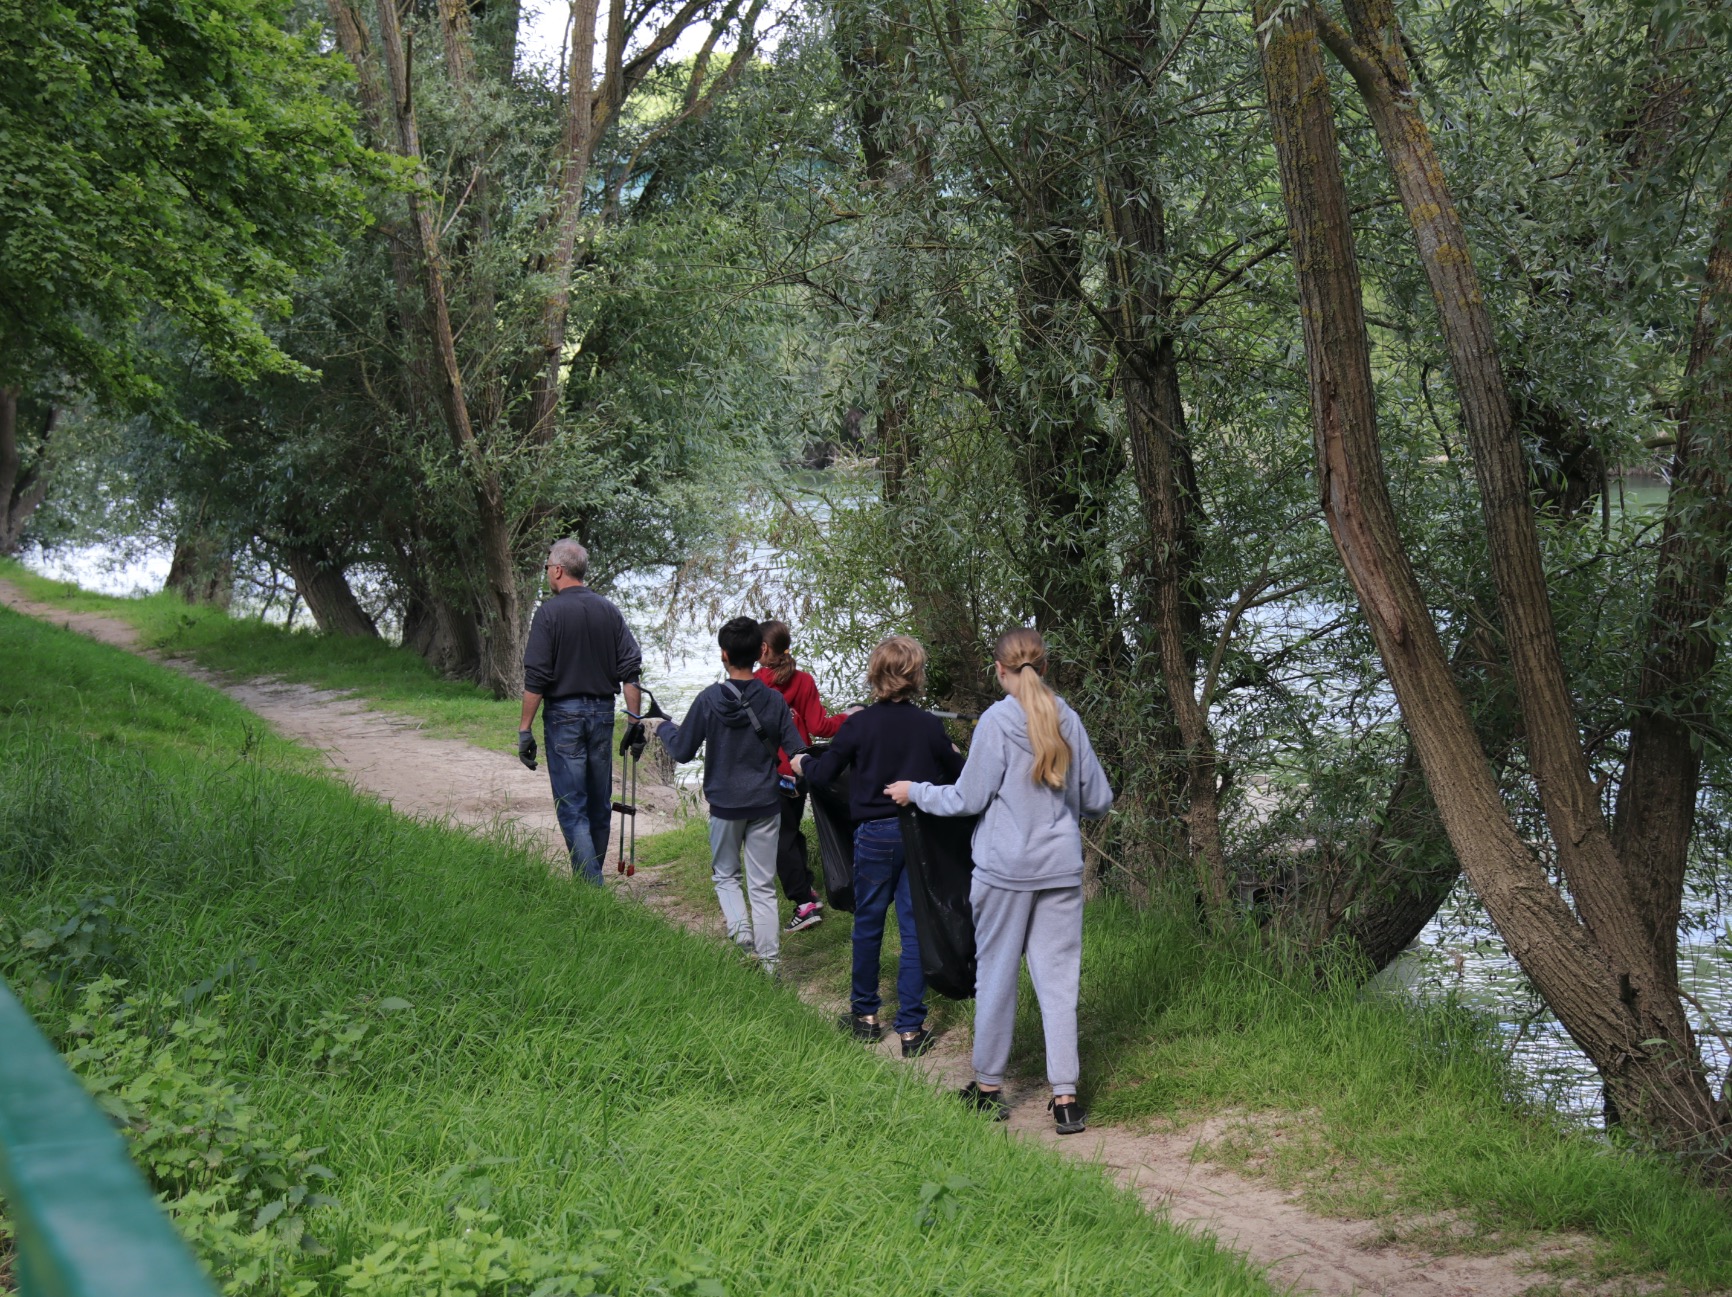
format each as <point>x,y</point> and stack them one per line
<point>634,740</point>
<point>526,748</point>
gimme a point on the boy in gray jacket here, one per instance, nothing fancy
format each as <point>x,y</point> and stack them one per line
<point>741,724</point>
<point>1033,777</point>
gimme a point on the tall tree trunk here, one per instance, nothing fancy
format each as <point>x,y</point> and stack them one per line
<point>589,108</point>
<point>321,581</point>
<point>576,147</point>
<point>376,128</point>
<point>1568,795</point>
<point>1624,899</point>
<point>202,569</point>
<point>1162,464</point>
<point>1605,994</point>
<point>1655,815</point>
<point>501,666</point>
<point>23,487</point>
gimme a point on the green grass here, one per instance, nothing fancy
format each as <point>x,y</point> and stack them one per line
<point>380,673</point>
<point>1370,1106</point>
<point>1408,1109</point>
<point>595,1078</point>
<point>820,958</point>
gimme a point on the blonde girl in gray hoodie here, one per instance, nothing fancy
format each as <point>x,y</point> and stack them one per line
<point>1033,777</point>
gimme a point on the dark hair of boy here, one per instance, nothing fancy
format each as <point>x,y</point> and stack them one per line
<point>742,640</point>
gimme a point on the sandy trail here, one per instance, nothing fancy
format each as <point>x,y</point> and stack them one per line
<point>386,755</point>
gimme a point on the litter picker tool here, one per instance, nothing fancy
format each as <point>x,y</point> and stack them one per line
<point>631,748</point>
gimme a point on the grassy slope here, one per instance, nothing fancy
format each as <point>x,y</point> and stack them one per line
<point>1400,1111</point>
<point>569,1058</point>
<point>382,674</point>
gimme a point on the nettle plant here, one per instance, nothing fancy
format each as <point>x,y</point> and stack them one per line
<point>239,1191</point>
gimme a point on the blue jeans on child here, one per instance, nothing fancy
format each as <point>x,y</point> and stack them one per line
<point>880,875</point>
<point>579,736</point>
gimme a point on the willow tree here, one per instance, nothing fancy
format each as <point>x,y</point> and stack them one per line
<point>1598,943</point>
<point>484,273</point>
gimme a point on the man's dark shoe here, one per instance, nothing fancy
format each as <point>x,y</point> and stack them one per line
<point>917,1043</point>
<point>526,747</point>
<point>991,1102</point>
<point>868,1029</point>
<point>1067,1117</point>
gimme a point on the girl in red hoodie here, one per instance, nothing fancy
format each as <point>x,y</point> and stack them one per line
<point>800,692</point>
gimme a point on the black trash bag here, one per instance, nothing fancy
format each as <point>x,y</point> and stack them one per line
<point>939,852</point>
<point>835,840</point>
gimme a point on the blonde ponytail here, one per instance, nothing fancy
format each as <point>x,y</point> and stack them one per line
<point>1022,653</point>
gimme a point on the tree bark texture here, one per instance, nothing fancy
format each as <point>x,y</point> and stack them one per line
<point>1164,470</point>
<point>202,569</point>
<point>322,583</point>
<point>1655,815</point>
<point>501,665</point>
<point>1068,461</point>
<point>1603,989</point>
<point>23,487</point>
<point>1568,796</point>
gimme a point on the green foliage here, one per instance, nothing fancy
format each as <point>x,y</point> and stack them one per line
<point>480,1261</point>
<point>65,952</point>
<point>179,157</point>
<point>191,1128</point>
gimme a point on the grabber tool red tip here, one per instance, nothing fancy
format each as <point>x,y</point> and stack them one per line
<point>627,808</point>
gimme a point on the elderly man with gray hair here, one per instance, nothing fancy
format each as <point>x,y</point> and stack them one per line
<point>580,654</point>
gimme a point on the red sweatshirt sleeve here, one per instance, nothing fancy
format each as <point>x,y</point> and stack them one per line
<point>808,708</point>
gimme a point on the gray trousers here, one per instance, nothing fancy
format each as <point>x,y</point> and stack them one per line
<point>1046,926</point>
<point>755,840</point>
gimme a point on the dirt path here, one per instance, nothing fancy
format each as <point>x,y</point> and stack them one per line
<point>386,755</point>
<point>380,752</point>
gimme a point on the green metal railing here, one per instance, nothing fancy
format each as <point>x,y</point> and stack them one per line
<point>84,1223</point>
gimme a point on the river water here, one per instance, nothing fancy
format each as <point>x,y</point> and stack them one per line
<point>1459,954</point>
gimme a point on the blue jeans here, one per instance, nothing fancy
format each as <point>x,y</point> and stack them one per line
<point>579,738</point>
<point>879,875</point>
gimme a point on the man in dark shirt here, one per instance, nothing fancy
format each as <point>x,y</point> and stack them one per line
<point>580,653</point>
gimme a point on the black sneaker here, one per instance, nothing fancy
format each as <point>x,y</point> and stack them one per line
<point>861,1028</point>
<point>992,1102</point>
<point>917,1043</point>
<point>804,917</point>
<point>1067,1117</point>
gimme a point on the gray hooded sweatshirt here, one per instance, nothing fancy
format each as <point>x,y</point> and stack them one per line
<point>1030,835</point>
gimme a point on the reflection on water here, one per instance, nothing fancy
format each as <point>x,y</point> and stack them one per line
<point>126,571</point>
<point>1460,954</point>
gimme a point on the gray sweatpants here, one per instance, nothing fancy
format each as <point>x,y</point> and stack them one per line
<point>1047,927</point>
<point>756,841</point>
